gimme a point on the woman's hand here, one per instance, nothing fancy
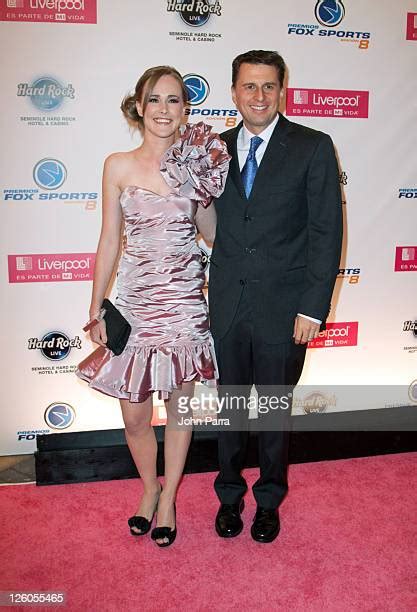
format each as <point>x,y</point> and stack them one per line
<point>98,333</point>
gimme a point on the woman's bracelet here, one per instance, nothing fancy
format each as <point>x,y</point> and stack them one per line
<point>94,320</point>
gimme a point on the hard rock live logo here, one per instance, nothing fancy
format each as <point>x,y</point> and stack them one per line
<point>195,14</point>
<point>53,11</point>
<point>47,95</point>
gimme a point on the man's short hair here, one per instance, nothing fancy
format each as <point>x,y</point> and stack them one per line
<point>270,58</point>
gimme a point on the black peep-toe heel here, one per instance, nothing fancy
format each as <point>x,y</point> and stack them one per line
<point>159,533</point>
<point>142,523</point>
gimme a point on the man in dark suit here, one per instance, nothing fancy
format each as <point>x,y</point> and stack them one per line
<point>273,267</point>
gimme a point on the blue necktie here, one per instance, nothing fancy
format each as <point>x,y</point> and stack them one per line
<point>251,166</point>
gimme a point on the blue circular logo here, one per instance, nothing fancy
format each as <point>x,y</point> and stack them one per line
<point>329,12</point>
<point>197,87</point>
<point>55,346</point>
<point>47,94</point>
<point>195,16</point>
<point>59,415</point>
<point>49,173</point>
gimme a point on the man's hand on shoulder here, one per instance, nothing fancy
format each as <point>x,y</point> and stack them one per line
<point>305,330</point>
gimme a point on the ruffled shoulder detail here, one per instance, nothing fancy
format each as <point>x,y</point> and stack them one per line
<point>196,164</point>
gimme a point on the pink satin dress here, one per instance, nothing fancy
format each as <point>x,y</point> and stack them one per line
<point>160,283</point>
<point>160,277</point>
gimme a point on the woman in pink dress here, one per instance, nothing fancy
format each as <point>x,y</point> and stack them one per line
<point>160,195</point>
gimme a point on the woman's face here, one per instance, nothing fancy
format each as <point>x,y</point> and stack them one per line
<point>165,108</point>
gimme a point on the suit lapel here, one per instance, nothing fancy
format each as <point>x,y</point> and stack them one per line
<point>234,170</point>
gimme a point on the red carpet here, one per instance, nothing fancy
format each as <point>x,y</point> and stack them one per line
<point>348,542</point>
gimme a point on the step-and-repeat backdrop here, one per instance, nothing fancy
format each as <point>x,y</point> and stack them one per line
<point>66,66</point>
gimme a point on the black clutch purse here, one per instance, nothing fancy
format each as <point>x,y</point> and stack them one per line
<point>117,328</point>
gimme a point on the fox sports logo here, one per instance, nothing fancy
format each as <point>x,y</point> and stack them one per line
<point>329,12</point>
<point>197,88</point>
<point>49,173</point>
<point>59,415</point>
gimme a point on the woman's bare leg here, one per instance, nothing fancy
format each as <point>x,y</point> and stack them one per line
<point>140,438</point>
<point>176,444</point>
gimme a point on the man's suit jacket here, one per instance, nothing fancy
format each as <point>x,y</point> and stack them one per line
<point>283,243</point>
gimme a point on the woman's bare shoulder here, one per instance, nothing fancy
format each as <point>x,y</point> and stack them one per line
<point>120,158</point>
<point>117,164</point>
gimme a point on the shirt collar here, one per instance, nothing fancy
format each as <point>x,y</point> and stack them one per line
<point>245,135</point>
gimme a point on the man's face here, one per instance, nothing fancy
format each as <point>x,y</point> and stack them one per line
<point>257,94</point>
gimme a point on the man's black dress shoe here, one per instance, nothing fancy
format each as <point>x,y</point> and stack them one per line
<point>228,521</point>
<point>265,526</point>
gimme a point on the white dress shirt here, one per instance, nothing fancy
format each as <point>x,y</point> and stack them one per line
<point>244,138</point>
<point>243,145</point>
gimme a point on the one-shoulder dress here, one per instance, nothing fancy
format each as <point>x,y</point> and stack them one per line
<point>160,278</point>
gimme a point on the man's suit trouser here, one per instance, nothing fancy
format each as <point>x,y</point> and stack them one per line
<point>245,359</point>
